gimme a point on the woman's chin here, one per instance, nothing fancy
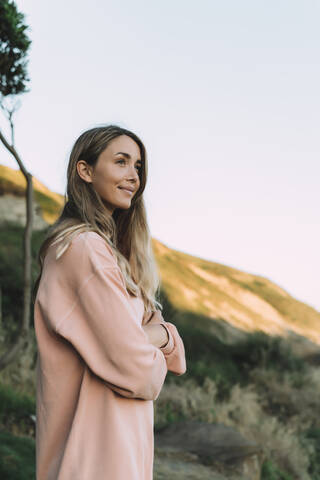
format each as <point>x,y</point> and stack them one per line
<point>124,205</point>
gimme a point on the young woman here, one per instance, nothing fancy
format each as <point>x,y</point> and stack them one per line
<point>104,348</point>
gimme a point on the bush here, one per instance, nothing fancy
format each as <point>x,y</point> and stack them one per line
<point>16,410</point>
<point>313,435</point>
<point>17,457</point>
<point>262,350</point>
<point>271,472</point>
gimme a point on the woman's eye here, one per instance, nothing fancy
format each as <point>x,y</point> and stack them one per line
<point>122,160</point>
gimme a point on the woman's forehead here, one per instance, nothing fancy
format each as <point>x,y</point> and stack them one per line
<point>123,145</point>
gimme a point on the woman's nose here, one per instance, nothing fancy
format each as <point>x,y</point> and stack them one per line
<point>133,173</point>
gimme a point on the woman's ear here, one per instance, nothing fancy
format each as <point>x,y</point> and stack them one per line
<point>84,171</point>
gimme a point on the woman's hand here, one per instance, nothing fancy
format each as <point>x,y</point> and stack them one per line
<point>157,334</point>
<point>153,318</point>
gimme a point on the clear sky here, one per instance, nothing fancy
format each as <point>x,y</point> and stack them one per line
<point>225,96</point>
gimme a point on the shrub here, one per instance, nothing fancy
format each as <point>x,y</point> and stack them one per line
<point>17,457</point>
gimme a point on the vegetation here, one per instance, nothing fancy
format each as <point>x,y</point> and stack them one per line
<point>256,385</point>
<point>271,409</point>
<point>13,51</point>
<point>17,456</point>
<point>17,435</point>
<point>14,45</point>
<point>16,410</point>
<point>11,271</point>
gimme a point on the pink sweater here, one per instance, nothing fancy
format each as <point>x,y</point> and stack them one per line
<point>97,373</point>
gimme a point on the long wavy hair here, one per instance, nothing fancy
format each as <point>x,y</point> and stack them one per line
<point>126,231</point>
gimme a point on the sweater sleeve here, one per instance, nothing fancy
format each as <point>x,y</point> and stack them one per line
<point>104,329</point>
<point>173,351</point>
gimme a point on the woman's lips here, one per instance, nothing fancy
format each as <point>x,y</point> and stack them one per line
<point>127,191</point>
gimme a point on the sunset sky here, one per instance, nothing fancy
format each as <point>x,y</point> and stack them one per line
<point>224,94</point>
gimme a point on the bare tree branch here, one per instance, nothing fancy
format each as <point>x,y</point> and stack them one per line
<point>24,333</point>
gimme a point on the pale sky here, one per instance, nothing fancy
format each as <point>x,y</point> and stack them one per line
<point>224,94</point>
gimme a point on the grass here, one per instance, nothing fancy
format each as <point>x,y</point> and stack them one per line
<point>207,356</point>
<point>270,471</point>
<point>15,411</point>
<point>17,431</point>
<point>259,387</point>
<point>17,457</point>
<point>312,435</point>
<point>49,205</point>
<point>11,274</point>
<point>290,445</point>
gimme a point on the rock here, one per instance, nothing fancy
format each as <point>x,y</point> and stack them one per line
<point>213,445</point>
<point>166,468</point>
<point>13,209</point>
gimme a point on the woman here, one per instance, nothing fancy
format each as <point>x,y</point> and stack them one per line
<point>104,348</point>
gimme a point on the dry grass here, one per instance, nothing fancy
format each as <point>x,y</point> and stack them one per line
<point>274,410</point>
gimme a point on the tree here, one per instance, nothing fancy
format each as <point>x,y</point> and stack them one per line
<point>14,45</point>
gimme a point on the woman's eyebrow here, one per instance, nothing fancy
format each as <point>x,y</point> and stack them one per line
<point>127,155</point>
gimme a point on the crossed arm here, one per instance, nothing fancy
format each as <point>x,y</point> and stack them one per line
<point>157,334</point>
<point>171,345</point>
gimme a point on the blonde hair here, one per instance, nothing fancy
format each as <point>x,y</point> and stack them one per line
<point>126,231</point>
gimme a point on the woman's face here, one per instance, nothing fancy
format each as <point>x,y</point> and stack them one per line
<point>115,176</point>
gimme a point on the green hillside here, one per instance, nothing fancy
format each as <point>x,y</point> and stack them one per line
<point>237,300</point>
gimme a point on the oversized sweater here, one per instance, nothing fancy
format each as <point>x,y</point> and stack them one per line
<point>97,373</point>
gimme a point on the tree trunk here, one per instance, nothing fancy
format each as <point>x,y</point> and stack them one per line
<point>24,333</point>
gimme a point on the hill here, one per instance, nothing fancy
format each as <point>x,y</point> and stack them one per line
<point>235,302</point>
<point>48,204</point>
